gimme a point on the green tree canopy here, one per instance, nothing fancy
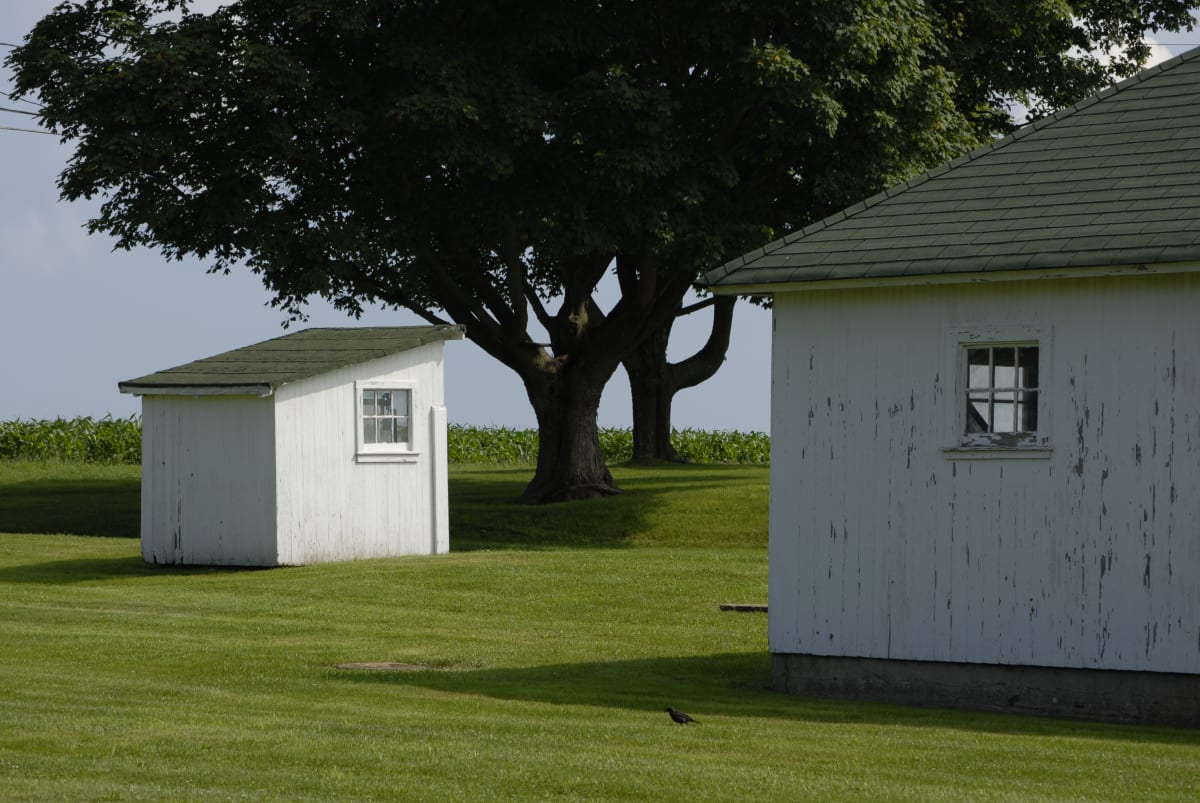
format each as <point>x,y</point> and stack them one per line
<point>488,163</point>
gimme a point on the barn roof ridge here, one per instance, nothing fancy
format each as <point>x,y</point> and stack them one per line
<point>773,258</point>
<point>262,368</point>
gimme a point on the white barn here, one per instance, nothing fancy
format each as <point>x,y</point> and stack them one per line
<point>986,423</point>
<point>323,445</point>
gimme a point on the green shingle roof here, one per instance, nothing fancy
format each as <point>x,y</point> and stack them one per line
<point>260,369</point>
<point>1113,181</point>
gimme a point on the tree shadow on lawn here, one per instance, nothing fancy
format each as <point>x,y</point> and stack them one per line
<point>733,685</point>
<point>83,570</point>
<point>484,515</point>
<point>102,507</point>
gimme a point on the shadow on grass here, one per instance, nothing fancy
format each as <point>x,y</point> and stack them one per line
<point>84,570</point>
<point>484,515</point>
<point>72,506</point>
<point>736,685</point>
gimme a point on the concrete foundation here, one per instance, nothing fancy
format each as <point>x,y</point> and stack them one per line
<point>1108,695</point>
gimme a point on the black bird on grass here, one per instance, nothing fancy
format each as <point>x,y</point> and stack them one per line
<point>680,717</point>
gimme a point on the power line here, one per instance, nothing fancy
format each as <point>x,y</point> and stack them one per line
<point>26,130</point>
<point>11,96</point>
<point>17,111</point>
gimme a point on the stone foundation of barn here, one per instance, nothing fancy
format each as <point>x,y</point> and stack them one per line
<point>1107,695</point>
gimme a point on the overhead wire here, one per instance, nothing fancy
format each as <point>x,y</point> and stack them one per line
<point>12,96</point>
<point>9,110</point>
<point>26,130</point>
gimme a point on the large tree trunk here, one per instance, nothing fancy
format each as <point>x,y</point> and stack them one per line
<point>570,465</point>
<point>653,381</point>
<point>652,390</point>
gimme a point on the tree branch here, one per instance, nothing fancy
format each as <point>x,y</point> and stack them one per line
<point>699,305</point>
<point>705,362</point>
<point>510,255</point>
<point>539,309</point>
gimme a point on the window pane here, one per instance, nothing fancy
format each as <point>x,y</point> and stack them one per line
<point>401,403</point>
<point>1004,410</point>
<point>977,415</point>
<point>1004,361</point>
<point>402,430</point>
<point>385,402</point>
<point>1027,365</point>
<point>1004,416</point>
<point>370,433</point>
<point>978,373</point>
<point>1027,412</point>
<point>368,402</point>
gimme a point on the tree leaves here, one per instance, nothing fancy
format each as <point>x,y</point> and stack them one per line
<point>474,162</point>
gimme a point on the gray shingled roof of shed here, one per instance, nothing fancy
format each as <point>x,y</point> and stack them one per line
<point>1112,181</point>
<point>262,368</point>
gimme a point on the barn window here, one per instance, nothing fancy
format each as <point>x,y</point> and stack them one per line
<point>384,422</point>
<point>1000,396</point>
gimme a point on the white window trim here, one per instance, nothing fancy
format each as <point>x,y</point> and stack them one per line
<point>386,452</point>
<point>960,446</point>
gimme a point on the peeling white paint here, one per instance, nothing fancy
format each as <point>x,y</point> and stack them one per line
<point>1087,555</point>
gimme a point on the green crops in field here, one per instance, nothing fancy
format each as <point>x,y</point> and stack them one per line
<point>504,446</point>
<point>119,440</point>
<point>79,440</point>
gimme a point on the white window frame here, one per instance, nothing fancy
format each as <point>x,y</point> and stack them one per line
<point>386,452</point>
<point>962,445</point>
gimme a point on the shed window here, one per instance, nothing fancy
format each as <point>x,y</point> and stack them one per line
<point>386,428</point>
<point>385,416</point>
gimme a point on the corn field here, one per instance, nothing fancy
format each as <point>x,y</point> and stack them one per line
<point>79,440</point>
<point>503,445</point>
<point>119,440</point>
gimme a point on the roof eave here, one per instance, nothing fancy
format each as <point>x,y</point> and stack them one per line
<point>139,389</point>
<point>972,277</point>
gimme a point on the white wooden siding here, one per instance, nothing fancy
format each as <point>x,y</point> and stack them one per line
<point>882,546</point>
<point>208,480</point>
<point>332,507</point>
<point>439,488</point>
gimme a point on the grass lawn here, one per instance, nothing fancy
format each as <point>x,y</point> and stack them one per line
<point>547,646</point>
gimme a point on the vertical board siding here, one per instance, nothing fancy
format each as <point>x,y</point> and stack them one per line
<point>883,547</point>
<point>439,451</point>
<point>334,508</point>
<point>208,480</point>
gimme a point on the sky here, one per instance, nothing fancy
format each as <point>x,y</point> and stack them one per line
<point>76,316</point>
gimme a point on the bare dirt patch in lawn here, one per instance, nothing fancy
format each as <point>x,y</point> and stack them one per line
<point>383,666</point>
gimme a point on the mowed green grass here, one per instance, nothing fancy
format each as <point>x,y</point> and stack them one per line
<point>547,645</point>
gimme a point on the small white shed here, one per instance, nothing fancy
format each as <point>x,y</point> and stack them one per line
<point>986,423</point>
<point>323,445</point>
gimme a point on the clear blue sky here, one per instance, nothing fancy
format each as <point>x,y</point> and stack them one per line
<point>76,317</point>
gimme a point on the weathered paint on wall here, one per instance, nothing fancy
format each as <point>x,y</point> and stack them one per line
<point>264,481</point>
<point>208,471</point>
<point>883,545</point>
